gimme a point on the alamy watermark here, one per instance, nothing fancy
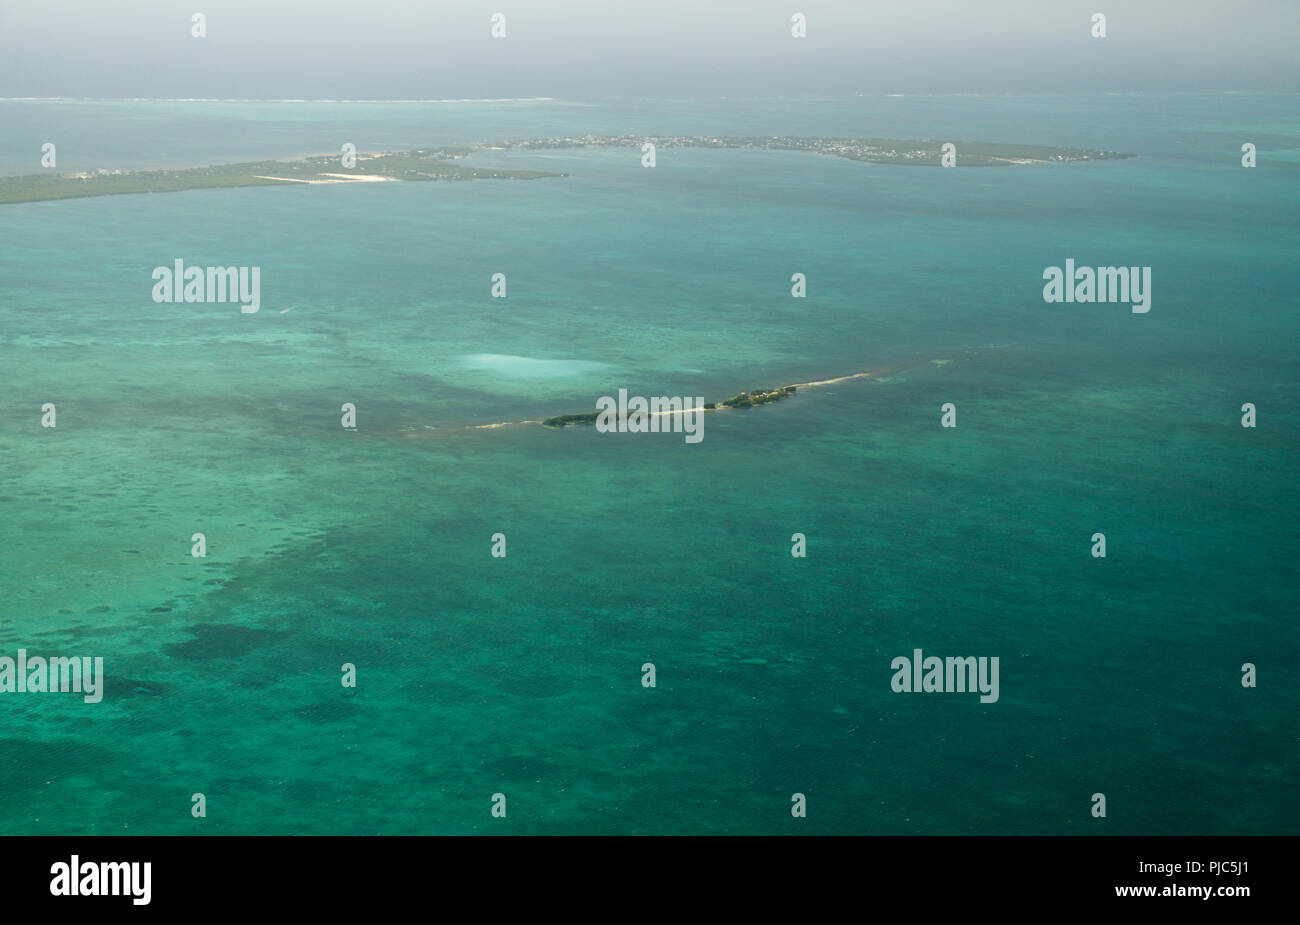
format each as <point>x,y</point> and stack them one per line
<point>934,675</point>
<point>179,283</point>
<point>658,415</point>
<point>76,877</point>
<point>55,675</point>
<point>1103,284</point>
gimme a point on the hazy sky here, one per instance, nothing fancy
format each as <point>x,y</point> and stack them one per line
<point>435,49</point>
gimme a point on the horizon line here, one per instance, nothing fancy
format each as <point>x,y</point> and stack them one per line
<point>720,97</point>
<point>202,99</point>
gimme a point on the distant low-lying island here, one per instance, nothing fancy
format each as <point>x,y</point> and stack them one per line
<point>751,399</point>
<point>420,164</point>
<point>743,400</point>
<point>440,163</point>
<point>872,150</point>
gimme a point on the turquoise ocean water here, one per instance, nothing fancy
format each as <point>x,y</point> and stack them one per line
<point>522,675</point>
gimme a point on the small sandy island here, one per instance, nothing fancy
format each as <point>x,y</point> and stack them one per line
<point>882,374</point>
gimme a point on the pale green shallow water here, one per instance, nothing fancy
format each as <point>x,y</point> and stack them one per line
<point>522,675</point>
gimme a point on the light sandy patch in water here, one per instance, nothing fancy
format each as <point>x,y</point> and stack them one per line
<point>517,367</point>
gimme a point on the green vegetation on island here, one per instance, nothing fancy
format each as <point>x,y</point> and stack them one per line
<point>564,420</point>
<point>758,397</point>
<point>438,163</point>
<point>421,164</point>
<point>743,400</point>
<point>872,150</point>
